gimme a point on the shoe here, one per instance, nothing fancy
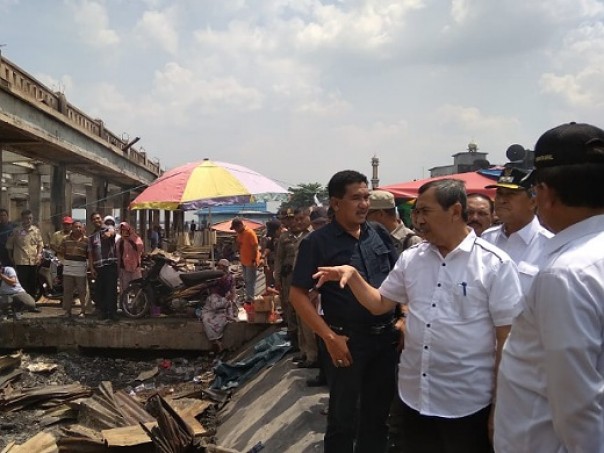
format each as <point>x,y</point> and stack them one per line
<point>317,381</point>
<point>308,364</point>
<point>299,358</point>
<point>35,310</point>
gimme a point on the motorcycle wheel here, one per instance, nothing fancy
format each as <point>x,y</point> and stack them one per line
<point>135,301</point>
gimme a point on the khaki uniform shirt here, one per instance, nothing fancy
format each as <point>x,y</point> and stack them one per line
<point>403,238</point>
<point>56,239</point>
<point>287,250</point>
<point>26,244</point>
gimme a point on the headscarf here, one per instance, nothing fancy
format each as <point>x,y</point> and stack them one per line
<point>129,249</point>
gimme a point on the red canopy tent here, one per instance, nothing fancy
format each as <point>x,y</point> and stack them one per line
<point>225,227</point>
<point>475,183</point>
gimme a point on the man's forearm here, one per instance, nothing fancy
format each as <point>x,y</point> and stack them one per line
<point>369,296</point>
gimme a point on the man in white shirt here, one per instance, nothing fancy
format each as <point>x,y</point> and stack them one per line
<point>551,379</point>
<point>520,234</point>
<point>462,294</point>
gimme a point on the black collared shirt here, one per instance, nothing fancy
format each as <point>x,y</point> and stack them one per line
<point>373,255</point>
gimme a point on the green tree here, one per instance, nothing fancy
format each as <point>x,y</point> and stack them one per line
<point>303,195</point>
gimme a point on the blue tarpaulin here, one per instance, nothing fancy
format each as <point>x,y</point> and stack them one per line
<point>267,352</point>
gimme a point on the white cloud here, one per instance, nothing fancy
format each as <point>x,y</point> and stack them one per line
<point>93,23</point>
<point>579,80</point>
<point>178,86</point>
<point>158,28</point>
<point>63,85</point>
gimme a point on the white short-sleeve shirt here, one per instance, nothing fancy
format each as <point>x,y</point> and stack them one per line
<point>550,388</point>
<point>454,305</point>
<point>524,246</point>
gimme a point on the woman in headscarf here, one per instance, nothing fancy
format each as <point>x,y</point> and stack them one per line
<point>129,251</point>
<point>219,309</point>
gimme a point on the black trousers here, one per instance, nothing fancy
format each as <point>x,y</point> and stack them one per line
<point>429,434</point>
<point>28,278</point>
<point>105,291</point>
<point>360,395</point>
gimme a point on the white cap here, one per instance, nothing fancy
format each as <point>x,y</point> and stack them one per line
<point>223,262</point>
<point>108,218</point>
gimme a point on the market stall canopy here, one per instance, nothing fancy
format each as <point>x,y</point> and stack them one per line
<point>202,184</point>
<point>225,227</point>
<point>475,183</point>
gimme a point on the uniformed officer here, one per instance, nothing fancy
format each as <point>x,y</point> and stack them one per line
<point>284,265</point>
<point>382,209</point>
<point>520,234</point>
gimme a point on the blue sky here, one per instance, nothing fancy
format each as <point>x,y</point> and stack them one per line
<point>299,89</point>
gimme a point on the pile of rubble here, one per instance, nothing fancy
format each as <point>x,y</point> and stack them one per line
<point>72,403</point>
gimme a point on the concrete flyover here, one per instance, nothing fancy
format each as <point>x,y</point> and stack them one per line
<point>45,131</point>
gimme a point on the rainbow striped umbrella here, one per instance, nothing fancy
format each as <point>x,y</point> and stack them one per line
<point>205,184</point>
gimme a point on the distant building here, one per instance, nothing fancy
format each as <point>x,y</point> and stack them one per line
<point>464,162</point>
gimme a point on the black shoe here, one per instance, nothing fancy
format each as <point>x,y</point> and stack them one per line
<point>316,382</point>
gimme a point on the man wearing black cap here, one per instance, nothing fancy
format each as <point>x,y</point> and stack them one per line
<point>520,234</point>
<point>551,377</point>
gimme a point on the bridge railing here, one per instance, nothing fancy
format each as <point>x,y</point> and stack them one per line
<point>17,80</point>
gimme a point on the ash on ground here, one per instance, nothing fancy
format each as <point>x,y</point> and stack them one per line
<point>168,375</point>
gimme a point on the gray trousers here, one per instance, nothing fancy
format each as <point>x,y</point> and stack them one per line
<point>70,283</point>
<point>19,301</point>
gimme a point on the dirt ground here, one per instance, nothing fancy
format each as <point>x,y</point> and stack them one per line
<point>174,374</point>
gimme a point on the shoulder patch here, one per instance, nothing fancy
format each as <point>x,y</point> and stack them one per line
<point>490,248</point>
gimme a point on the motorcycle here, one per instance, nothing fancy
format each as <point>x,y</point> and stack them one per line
<point>165,287</point>
<point>50,276</point>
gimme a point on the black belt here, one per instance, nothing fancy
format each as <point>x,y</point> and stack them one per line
<point>367,329</point>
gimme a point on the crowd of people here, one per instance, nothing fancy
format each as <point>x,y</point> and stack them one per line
<point>111,255</point>
<point>479,327</point>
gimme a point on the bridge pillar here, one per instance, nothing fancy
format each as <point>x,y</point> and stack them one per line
<point>68,197</point>
<point>4,200</point>
<point>34,188</point>
<point>100,195</point>
<point>142,225</point>
<point>57,195</point>
<point>125,213</point>
<point>90,204</point>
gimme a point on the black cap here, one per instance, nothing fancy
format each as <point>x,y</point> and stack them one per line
<point>318,215</point>
<point>568,144</point>
<point>511,178</point>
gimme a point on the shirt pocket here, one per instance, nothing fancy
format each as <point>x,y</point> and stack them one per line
<point>468,300</point>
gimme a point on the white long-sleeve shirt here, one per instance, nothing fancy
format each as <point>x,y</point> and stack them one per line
<point>550,395</point>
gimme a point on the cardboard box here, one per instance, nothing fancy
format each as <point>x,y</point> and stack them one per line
<point>264,304</point>
<point>264,317</point>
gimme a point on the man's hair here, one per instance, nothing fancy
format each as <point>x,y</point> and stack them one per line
<point>3,210</point>
<point>94,214</point>
<point>484,197</point>
<point>448,192</point>
<point>25,212</point>
<point>575,185</point>
<point>342,179</point>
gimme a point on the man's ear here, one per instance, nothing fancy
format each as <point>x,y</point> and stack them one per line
<point>456,210</point>
<point>547,195</point>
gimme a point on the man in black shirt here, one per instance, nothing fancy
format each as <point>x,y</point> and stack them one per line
<point>362,347</point>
